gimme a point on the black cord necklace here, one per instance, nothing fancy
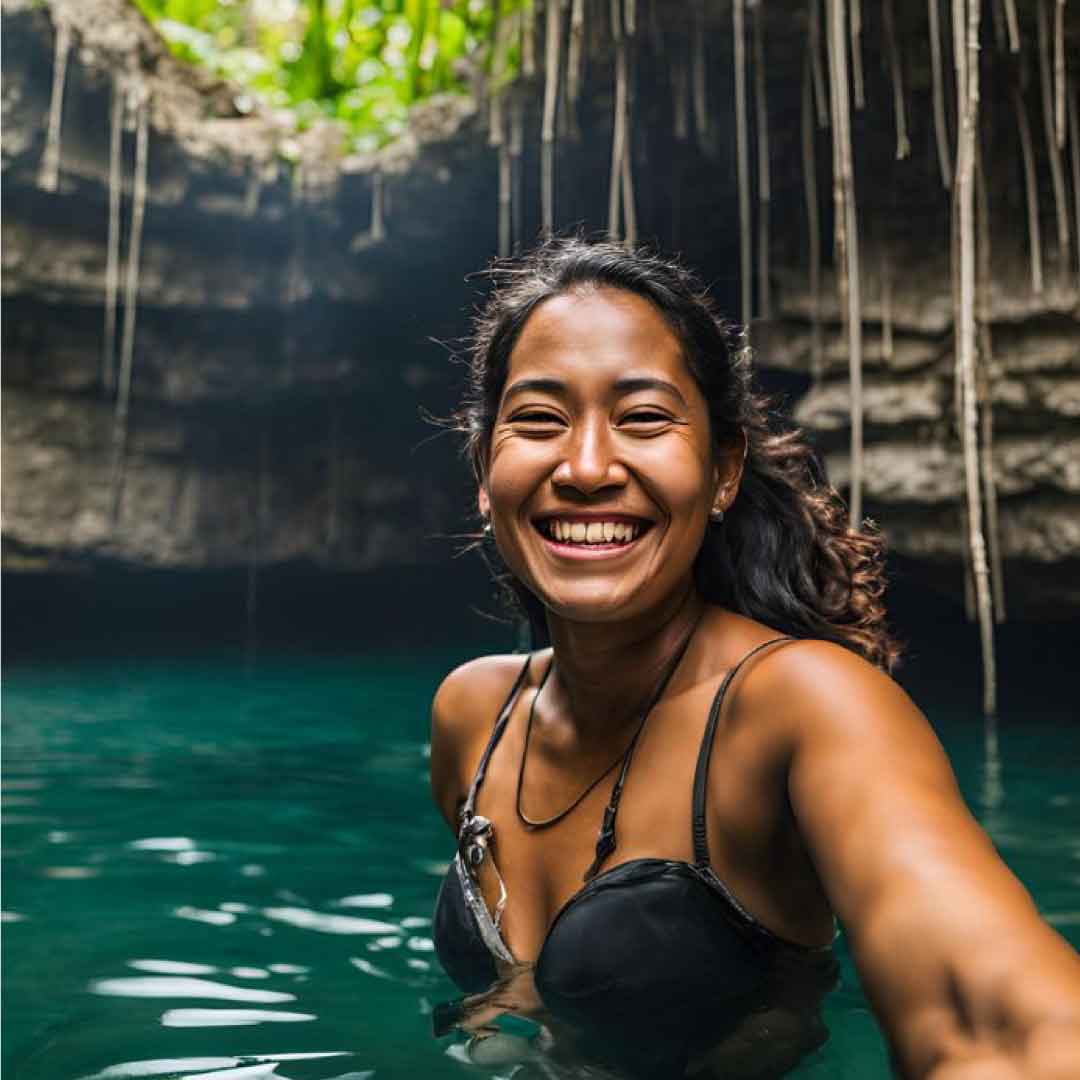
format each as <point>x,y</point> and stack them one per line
<point>623,759</point>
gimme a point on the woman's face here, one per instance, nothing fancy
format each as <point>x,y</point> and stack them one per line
<point>601,472</point>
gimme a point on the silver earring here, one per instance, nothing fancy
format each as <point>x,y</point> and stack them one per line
<point>716,514</point>
<point>487,527</point>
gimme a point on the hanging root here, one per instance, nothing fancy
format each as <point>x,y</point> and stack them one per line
<point>1032,190</point>
<point>1013,24</point>
<point>49,175</point>
<point>821,97</point>
<point>497,75</point>
<point>847,240</point>
<point>575,51</point>
<point>1053,152</point>
<point>497,123</point>
<point>551,100</point>
<point>742,153</point>
<point>892,48</point>
<point>680,102</point>
<point>1059,74</point>
<point>984,378</point>
<point>701,100</point>
<point>1074,159</point>
<point>967,128</point>
<point>505,196</point>
<point>618,136</point>
<point>528,38</point>
<point>131,297</point>
<point>626,171</point>
<point>629,206</point>
<point>855,12</point>
<point>764,185</point>
<point>941,132</point>
<point>813,223</point>
<point>112,250</point>
<point>517,143</point>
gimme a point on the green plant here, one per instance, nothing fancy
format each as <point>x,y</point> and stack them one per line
<point>363,63</point>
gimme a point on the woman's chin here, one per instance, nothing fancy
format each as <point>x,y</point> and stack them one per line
<point>593,605</point>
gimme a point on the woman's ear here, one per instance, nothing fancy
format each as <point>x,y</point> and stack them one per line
<point>727,472</point>
<point>483,503</point>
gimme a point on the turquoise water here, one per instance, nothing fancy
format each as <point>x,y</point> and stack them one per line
<point>212,871</point>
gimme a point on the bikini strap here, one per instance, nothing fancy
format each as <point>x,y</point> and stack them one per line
<point>605,841</point>
<point>701,773</point>
<point>496,734</point>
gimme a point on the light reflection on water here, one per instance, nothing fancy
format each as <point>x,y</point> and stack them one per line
<point>180,836</point>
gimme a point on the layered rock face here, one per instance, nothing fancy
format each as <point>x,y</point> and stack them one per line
<point>279,346</point>
<point>913,471</point>
<point>277,306</point>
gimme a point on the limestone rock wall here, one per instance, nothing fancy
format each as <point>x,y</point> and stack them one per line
<point>277,379</point>
<point>287,298</point>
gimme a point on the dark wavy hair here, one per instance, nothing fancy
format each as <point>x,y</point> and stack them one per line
<point>784,553</point>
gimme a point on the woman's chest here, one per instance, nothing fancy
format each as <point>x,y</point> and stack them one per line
<point>542,868</point>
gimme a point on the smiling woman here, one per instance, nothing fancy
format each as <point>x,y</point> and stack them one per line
<point>716,624</point>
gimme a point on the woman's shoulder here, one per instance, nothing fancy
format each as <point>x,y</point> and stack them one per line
<point>472,694</point>
<point>817,689</point>
<point>463,713</point>
<point>809,678</point>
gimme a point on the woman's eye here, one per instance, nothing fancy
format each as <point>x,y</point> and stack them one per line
<point>646,416</point>
<point>534,418</point>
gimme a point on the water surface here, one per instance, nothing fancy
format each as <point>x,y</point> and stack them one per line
<point>213,870</point>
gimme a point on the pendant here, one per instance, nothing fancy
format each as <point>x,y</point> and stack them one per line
<point>605,843</point>
<point>477,834</point>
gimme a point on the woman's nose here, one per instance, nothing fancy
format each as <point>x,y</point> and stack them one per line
<point>590,463</point>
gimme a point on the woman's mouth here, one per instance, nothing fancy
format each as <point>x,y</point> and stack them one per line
<point>577,536</point>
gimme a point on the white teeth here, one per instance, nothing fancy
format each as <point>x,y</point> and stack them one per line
<point>593,532</point>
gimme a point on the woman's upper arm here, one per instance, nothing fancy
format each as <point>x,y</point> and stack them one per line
<point>462,714</point>
<point>949,945</point>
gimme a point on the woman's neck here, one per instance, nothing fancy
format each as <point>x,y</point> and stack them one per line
<point>605,672</point>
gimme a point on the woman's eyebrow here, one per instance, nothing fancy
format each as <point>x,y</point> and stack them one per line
<point>546,386</point>
<point>628,385</point>
<point>632,385</point>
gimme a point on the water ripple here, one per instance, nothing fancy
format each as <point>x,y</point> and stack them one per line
<point>183,1018</point>
<point>214,918</point>
<point>367,900</point>
<point>328,924</point>
<point>168,1066</point>
<point>181,986</point>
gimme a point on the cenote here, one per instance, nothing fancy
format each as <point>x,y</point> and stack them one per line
<point>229,867</point>
<point>229,528</point>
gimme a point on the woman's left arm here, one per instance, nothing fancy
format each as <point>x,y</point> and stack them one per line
<point>967,980</point>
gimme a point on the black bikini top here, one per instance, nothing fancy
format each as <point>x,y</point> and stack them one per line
<point>653,961</point>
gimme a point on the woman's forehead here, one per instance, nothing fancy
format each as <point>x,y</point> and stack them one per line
<point>598,332</point>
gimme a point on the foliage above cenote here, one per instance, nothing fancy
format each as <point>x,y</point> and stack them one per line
<point>361,62</point>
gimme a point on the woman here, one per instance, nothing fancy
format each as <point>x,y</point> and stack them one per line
<point>660,815</point>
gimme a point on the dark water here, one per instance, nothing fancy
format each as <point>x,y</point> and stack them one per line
<point>208,871</point>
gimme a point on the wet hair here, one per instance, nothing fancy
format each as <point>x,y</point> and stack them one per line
<point>784,553</point>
